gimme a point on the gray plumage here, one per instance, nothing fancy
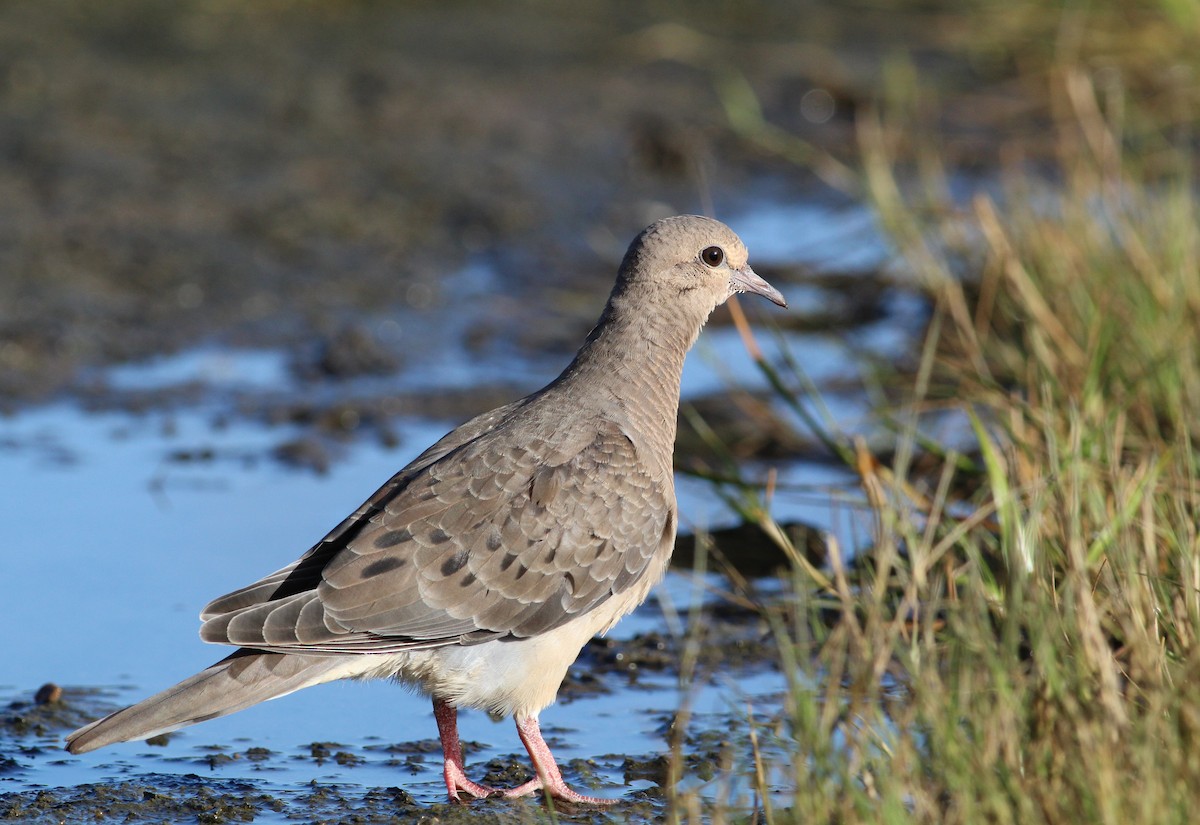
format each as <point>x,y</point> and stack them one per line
<point>479,570</point>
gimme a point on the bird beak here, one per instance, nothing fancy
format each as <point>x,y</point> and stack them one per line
<point>747,280</point>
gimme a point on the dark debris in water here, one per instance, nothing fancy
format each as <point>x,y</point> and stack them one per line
<point>746,426</point>
<point>505,773</point>
<point>350,352</point>
<point>306,452</point>
<point>194,799</point>
<point>48,694</point>
<point>51,710</point>
<point>153,798</point>
<point>656,652</point>
<point>731,640</point>
<point>323,752</point>
<point>747,549</point>
<point>417,747</point>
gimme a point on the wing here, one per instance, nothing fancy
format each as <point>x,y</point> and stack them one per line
<point>491,539</point>
<point>305,573</point>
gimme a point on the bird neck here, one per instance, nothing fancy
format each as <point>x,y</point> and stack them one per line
<point>634,360</point>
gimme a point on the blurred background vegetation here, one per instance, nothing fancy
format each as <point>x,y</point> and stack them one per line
<point>256,172</point>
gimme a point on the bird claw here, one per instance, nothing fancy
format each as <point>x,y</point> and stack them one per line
<point>560,792</point>
<point>456,781</point>
<point>474,791</point>
<point>524,789</point>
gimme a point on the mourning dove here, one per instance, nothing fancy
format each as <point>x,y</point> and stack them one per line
<point>478,572</point>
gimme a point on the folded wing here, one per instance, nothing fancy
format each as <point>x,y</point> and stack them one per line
<point>494,537</point>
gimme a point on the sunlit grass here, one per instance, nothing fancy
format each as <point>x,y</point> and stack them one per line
<point>1021,641</point>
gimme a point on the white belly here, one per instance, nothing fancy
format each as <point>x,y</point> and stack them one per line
<point>505,678</point>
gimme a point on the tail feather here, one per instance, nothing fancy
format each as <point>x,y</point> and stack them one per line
<point>238,681</point>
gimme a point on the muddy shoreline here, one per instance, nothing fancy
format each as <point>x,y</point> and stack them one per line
<point>278,176</point>
<point>732,644</point>
<point>173,175</point>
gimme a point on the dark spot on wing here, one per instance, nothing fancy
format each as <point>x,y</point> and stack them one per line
<point>375,568</point>
<point>467,580</point>
<point>494,542</point>
<point>438,536</point>
<point>393,537</point>
<point>455,563</point>
<point>507,561</point>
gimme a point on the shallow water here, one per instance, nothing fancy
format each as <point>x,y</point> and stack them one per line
<point>120,526</point>
<point>116,549</point>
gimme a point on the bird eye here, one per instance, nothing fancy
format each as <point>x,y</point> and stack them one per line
<point>713,256</point>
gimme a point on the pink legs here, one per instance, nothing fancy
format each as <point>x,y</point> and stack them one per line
<point>456,778</point>
<point>549,778</point>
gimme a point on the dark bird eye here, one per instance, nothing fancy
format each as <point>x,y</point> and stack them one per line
<point>713,256</point>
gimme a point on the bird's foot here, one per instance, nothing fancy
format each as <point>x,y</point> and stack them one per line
<point>456,778</point>
<point>559,790</point>
<point>525,789</point>
<point>457,783</point>
<point>549,779</point>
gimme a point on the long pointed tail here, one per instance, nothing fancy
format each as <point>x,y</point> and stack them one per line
<point>238,681</point>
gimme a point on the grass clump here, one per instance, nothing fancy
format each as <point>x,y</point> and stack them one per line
<point>1021,641</point>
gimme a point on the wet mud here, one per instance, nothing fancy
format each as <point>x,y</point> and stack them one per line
<point>271,175</point>
<point>178,173</point>
<point>731,644</point>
